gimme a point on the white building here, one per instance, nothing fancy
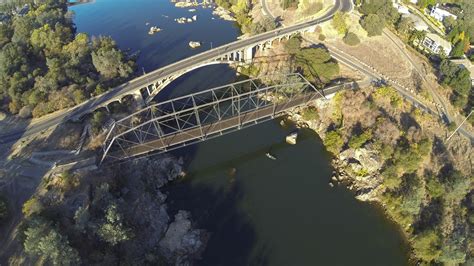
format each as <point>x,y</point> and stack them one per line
<point>436,44</point>
<point>440,14</point>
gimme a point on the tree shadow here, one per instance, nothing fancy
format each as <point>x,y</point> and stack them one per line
<point>22,180</point>
<point>232,236</point>
<point>407,121</point>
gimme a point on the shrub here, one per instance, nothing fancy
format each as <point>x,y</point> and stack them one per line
<point>310,113</point>
<point>351,39</point>
<point>98,119</point>
<point>339,22</point>
<point>333,142</point>
<point>357,141</point>
<point>322,37</point>
<point>32,206</point>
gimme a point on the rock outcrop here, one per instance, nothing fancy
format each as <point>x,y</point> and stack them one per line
<point>181,243</point>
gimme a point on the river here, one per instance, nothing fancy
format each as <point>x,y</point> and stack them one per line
<point>259,211</point>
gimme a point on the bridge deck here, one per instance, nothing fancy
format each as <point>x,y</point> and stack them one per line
<point>206,131</point>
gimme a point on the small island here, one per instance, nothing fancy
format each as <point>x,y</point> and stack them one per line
<point>154,30</point>
<point>193,44</point>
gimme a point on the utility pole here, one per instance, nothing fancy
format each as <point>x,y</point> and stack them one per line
<point>460,125</point>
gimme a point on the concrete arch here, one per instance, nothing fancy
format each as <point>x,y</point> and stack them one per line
<point>158,87</point>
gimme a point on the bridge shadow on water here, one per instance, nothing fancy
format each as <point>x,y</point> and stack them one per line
<point>214,194</point>
<point>233,239</point>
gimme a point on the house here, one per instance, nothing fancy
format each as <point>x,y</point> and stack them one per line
<point>467,64</point>
<point>440,13</point>
<point>435,44</point>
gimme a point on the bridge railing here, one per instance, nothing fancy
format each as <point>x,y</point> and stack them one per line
<point>192,113</point>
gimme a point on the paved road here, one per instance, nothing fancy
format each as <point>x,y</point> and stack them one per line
<point>347,60</point>
<point>163,72</point>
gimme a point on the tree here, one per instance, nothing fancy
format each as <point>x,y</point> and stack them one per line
<point>426,245</point>
<point>404,25</point>
<point>389,14</point>
<point>5,34</point>
<point>351,39</point>
<point>339,22</point>
<point>434,187</point>
<point>266,24</point>
<point>451,251</point>
<point>458,78</point>
<point>373,24</point>
<point>391,177</point>
<point>457,186</point>
<point>81,218</point>
<point>458,49</point>
<point>316,64</point>
<point>425,3</point>
<point>112,230</point>
<point>372,7</point>
<point>358,141</point>
<point>109,61</point>
<point>42,239</point>
<point>293,45</point>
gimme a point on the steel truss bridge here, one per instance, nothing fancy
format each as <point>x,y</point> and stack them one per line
<point>207,114</point>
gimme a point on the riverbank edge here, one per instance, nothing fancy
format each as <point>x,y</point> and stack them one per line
<point>343,178</point>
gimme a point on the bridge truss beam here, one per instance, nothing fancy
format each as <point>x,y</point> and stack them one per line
<point>199,116</point>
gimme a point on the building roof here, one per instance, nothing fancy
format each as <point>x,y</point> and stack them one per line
<point>442,42</point>
<point>443,10</point>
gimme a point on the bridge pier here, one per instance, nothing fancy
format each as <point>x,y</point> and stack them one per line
<point>248,54</point>
<point>139,99</point>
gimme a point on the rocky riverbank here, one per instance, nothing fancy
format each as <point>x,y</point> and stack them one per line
<point>387,151</point>
<point>357,169</point>
<point>108,216</point>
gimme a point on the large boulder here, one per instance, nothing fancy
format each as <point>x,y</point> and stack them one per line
<point>181,243</point>
<point>362,160</point>
<point>2,116</point>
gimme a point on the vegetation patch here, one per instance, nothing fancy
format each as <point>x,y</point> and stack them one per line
<point>351,39</point>
<point>46,66</point>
